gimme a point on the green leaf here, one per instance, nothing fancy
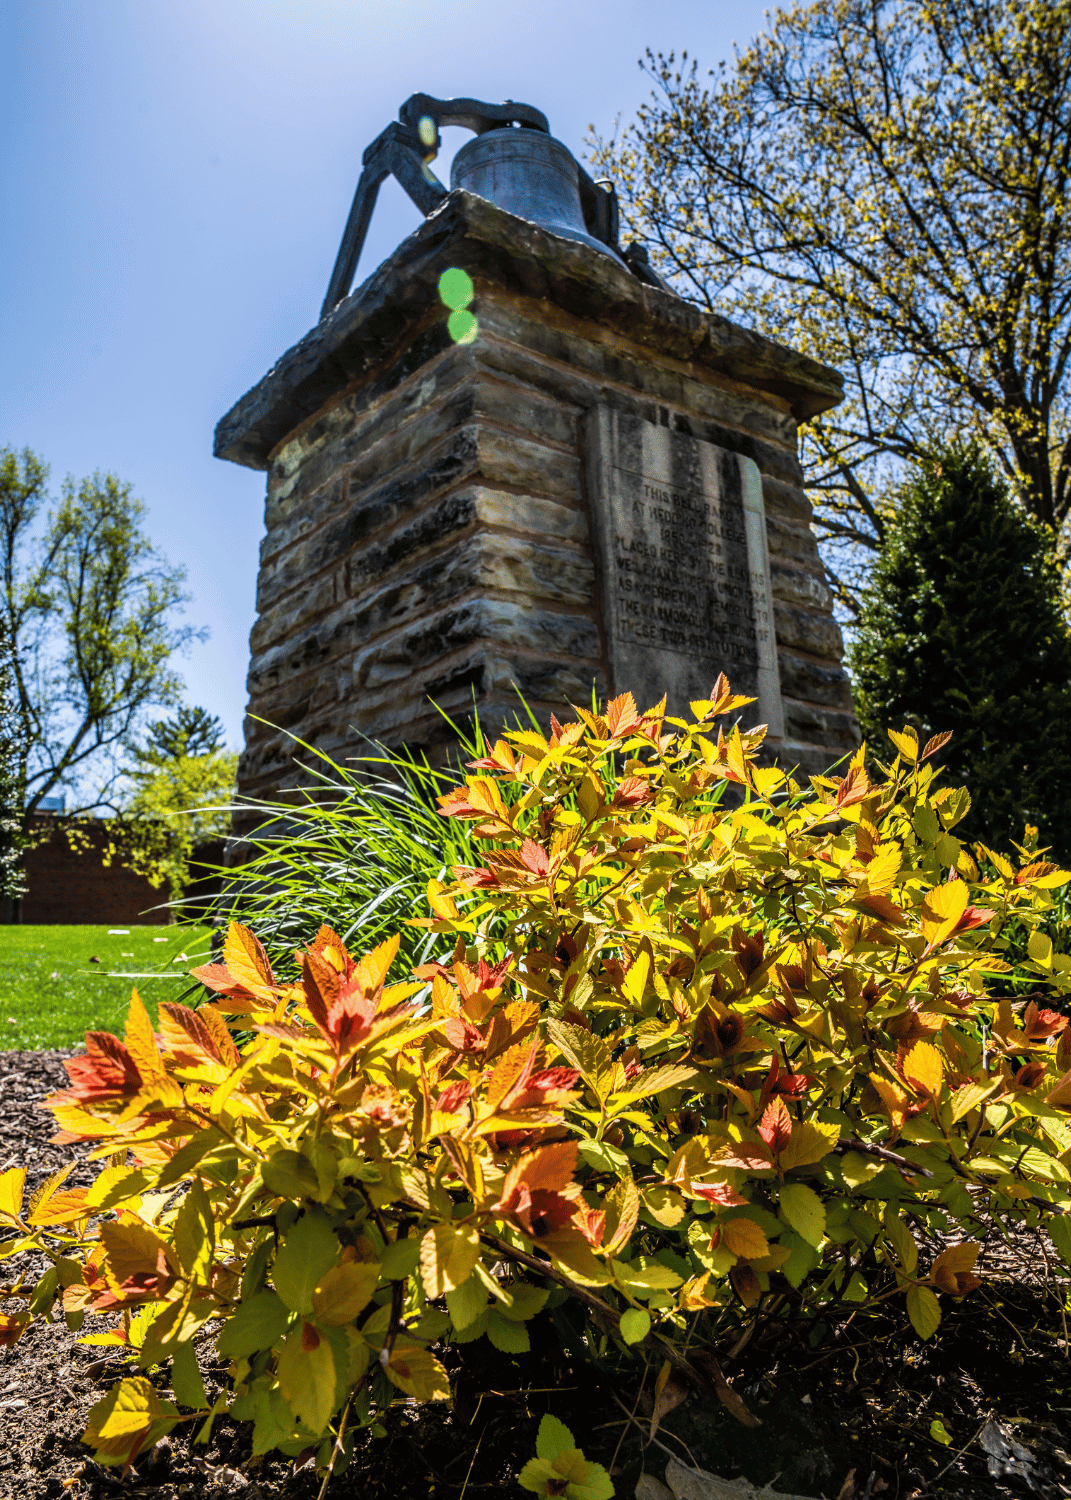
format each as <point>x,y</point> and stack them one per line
<point>187,1157</point>
<point>635,1325</point>
<point>939,1433</point>
<point>274,1422</point>
<point>924,1311</point>
<point>901,1240</point>
<point>801,1262</point>
<point>1059,1227</point>
<point>307,1376</point>
<point>256,1325</point>
<point>186,1379</point>
<point>466,1302</point>
<point>525,1302</point>
<point>310,1249</point>
<point>802,1210</point>
<point>553,1438</point>
<point>399,1260</point>
<point>511,1338</point>
<point>288,1174</point>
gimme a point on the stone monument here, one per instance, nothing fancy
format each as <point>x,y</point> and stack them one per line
<point>601,489</point>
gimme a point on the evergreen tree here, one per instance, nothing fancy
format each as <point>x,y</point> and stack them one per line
<point>963,629</point>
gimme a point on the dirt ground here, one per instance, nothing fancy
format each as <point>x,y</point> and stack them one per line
<point>845,1414</point>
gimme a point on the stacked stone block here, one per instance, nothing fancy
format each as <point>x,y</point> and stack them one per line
<point>428,529</point>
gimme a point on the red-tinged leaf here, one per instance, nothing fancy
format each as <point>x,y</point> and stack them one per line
<point>218,978</point>
<point>12,1328</point>
<point>185,1035</point>
<point>974,916</point>
<point>105,1070</point>
<point>720,1193</point>
<point>1039,1024</point>
<point>935,743</point>
<point>321,984</point>
<point>463,1036</point>
<point>853,787</point>
<point>882,908</point>
<point>775,1127</point>
<point>632,791</point>
<point>452,1098</point>
<point>621,715</point>
<point>1035,871</point>
<point>535,858</point>
<point>476,877</point>
<point>743,1156</point>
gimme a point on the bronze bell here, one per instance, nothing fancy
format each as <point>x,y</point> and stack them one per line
<point>513,162</point>
<point>532,175</point>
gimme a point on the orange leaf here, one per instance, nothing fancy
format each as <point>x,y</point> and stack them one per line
<point>952,1271</point>
<point>743,1238</point>
<point>550,1168</point>
<point>244,955</point>
<point>924,1070</point>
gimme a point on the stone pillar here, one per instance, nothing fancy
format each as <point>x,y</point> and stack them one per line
<point>602,489</point>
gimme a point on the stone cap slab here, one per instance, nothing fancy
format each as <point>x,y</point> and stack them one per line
<point>377,321</point>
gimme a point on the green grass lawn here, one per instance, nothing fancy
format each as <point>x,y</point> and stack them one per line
<point>51,994</point>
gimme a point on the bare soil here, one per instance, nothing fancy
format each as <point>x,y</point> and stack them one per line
<point>846,1412</point>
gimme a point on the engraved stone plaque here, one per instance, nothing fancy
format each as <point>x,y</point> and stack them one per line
<point>683,566</point>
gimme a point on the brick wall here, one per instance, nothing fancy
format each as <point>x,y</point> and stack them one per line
<point>78,888</point>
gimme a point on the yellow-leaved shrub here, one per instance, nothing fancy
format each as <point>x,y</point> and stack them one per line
<point>686,1058</point>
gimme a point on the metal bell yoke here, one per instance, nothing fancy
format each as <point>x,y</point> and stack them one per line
<point>514,162</point>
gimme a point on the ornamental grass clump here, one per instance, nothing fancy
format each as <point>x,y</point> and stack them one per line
<point>683,1062</point>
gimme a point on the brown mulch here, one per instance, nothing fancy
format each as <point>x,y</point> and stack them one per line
<point>845,1413</point>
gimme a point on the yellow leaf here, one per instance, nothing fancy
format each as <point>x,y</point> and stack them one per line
<point>131,1250</point>
<point>924,1069</point>
<point>635,981</point>
<point>247,963</point>
<point>443,906</point>
<point>906,741</point>
<point>307,1376</point>
<point>343,1291</point>
<point>744,1239</point>
<point>448,1255</point>
<point>808,1143</point>
<point>1039,947</point>
<point>372,969</point>
<point>11,1185</point>
<point>882,870</point>
<point>139,1039</point>
<point>942,909</point>
<point>129,1407</point>
<point>998,861</point>
<point>418,1373</point>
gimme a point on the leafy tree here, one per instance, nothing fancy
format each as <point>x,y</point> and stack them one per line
<point>89,606</point>
<point>182,787</point>
<point>882,183</point>
<point>962,629</point>
<point>11,879</point>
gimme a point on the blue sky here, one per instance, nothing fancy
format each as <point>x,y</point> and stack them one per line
<point>175,177</point>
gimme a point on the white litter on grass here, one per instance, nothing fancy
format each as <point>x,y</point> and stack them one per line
<point>159,940</point>
<point>181,958</point>
<point>118,931</point>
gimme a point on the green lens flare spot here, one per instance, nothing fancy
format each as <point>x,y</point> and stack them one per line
<point>462,326</point>
<point>456,288</point>
<point>427,131</point>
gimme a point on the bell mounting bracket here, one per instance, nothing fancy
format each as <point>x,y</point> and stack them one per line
<point>402,150</point>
